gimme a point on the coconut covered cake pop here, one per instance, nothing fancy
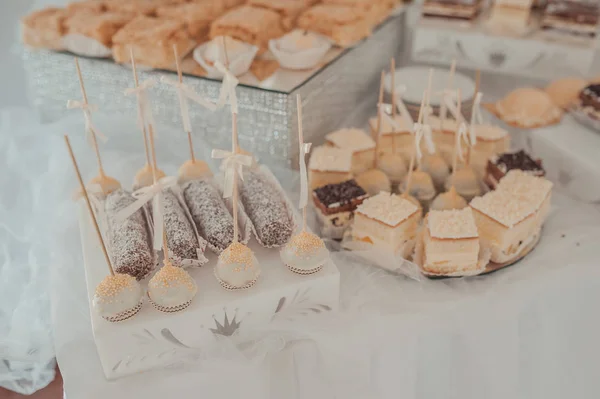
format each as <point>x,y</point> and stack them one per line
<point>171,289</point>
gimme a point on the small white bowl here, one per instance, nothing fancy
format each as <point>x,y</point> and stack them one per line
<point>301,59</point>
<point>239,63</point>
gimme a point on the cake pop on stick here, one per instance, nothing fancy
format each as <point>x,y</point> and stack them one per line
<point>145,176</point>
<point>107,184</point>
<point>463,179</point>
<point>237,267</point>
<point>418,184</point>
<point>118,296</point>
<point>446,93</point>
<point>193,168</point>
<point>306,252</point>
<point>171,289</point>
<point>392,164</point>
<point>374,180</point>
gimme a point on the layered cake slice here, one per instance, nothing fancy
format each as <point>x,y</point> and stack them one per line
<point>342,24</point>
<point>451,242</point>
<point>498,166</point>
<point>329,165</point>
<point>536,190</point>
<point>579,17</point>
<point>359,143</point>
<point>335,204</point>
<point>388,221</point>
<point>508,222</point>
<point>491,141</point>
<point>459,9</point>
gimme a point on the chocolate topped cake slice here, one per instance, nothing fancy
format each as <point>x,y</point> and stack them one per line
<point>498,166</point>
<point>458,9</point>
<point>590,97</point>
<point>579,17</point>
<point>335,205</point>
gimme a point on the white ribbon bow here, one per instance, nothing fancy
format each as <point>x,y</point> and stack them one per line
<point>446,95</point>
<point>476,118</point>
<point>451,105</point>
<point>232,164</point>
<point>184,92</point>
<point>144,109</point>
<point>87,109</point>
<point>227,88</point>
<point>304,150</point>
<point>423,131</point>
<point>460,135</point>
<point>144,195</point>
<point>401,106</point>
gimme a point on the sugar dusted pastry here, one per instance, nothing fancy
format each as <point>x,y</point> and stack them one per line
<point>373,181</point>
<point>498,166</point>
<point>507,222</point>
<point>465,181</point>
<point>140,7</point>
<point>92,6</point>
<point>374,11</point>
<point>212,218</point>
<point>237,267</point>
<point>451,243</point>
<point>393,165</point>
<point>564,92</point>
<point>528,108</point>
<point>44,28</point>
<point>249,24</point>
<point>130,244</point>
<point>342,24</point>
<point>86,30</point>
<point>448,200</point>
<point>299,49</point>
<point>288,10</point>
<point>196,15</point>
<point>359,143</point>
<point>266,208</point>
<point>152,41</point>
<point>171,289</point>
<point>305,253</point>
<point>329,165</point>
<point>335,205</point>
<point>435,166</point>
<point>388,221</point>
<point>118,297</point>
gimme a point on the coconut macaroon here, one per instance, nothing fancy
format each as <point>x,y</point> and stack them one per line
<point>388,221</point>
<point>508,222</point>
<point>451,242</point>
<point>398,140</point>
<point>359,143</point>
<point>329,165</point>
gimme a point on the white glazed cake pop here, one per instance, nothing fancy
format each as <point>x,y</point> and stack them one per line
<point>421,186</point>
<point>436,167</point>
<point>373,181</point>
<point>118,297</point>
<point>305,253</point>
<point>393,166</point>
<point>237,267</point>
<point>466,183</point>
<point>193,170</point>
<point>448,200</point>
<point>144,177</point>
<point>171,289</point>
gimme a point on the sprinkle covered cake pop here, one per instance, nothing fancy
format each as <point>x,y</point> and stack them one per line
<point>237,267</point>
<point>118,297</point>
<point>171,289</point>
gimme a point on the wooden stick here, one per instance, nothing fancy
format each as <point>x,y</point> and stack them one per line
<point>85,101</point>
<point>301,145</point>
<point>180,77</point>
<point>235,150</point>
<point>427,101</point>
<point>457,139</point>
<point>225,53</point>
<point>379,120</point>
<point>137,83</point>
<point>393,77</point>
<point>89,206</point>
<point>449,85</point>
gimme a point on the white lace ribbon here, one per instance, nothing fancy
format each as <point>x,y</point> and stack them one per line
<point>232,164</point>
<point>144,108</point>
<point>401,106</point>
<point>423,132</point>
<point>143,196</point>
<point>304,150</point>
<point>227,88</point>
<point>476,118</point>
<point>87,109</point>
<point>185,92</point>
<point>450,100</point>
<point>460,135</point>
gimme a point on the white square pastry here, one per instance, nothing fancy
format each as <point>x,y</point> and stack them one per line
<point>359,143</point>
<point>387,220</point>
<point>329,165</point>
<point>451,242</point>
<point>536,190</point>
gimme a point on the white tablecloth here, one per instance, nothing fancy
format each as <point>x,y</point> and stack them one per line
<point>528,331</point>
